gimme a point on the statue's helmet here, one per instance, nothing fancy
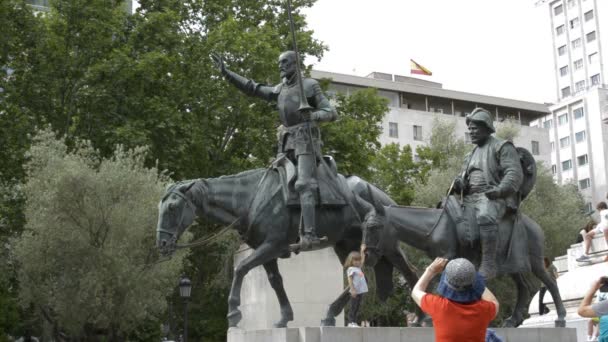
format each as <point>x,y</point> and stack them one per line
<point>481,115</point>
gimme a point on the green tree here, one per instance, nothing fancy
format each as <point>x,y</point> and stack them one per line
<point>95,73</point>
<point>443,149</point>
<point>440,161</point>
<point>85,254</point>
<point>508,129</point>
<point>396,172</point>
<point>353,139</point>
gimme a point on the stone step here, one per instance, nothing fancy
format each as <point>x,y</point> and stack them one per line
<point>597,253</point>
<point>388,334</point>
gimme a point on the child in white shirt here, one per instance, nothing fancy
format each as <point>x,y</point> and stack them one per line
<point>357,285</point>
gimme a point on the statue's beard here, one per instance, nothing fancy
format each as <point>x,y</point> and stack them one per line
<point>287,76</point>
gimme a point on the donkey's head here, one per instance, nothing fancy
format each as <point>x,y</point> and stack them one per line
<point>176,212</point>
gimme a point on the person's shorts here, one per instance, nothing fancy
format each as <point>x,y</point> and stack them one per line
<point>601,229</point>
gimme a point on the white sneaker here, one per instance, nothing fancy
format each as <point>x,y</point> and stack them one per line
<point>583,258</point>
<point>353,325</point>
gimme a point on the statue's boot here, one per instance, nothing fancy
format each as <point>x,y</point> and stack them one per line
<point>488,235</point>
<point>308,238</point>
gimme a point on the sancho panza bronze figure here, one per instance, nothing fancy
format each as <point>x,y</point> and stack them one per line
<point>300,138</point>
<point>490,180</point>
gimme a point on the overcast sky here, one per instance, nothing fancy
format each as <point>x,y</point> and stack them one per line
<point>491,47</point>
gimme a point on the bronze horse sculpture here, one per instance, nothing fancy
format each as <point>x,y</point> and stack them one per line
<point>252,202</point>
<point>434,231</point>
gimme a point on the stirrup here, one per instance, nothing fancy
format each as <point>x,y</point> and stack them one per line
<point>307,242</point>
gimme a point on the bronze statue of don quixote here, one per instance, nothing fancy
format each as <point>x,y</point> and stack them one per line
<point>302,203</point>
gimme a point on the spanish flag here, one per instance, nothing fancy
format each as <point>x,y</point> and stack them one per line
<point>416,68</point>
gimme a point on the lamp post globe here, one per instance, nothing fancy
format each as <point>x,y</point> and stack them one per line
<point>185,287</point>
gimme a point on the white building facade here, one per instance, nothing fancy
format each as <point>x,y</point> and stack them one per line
<point>578,136</point>
<point>414,103</point>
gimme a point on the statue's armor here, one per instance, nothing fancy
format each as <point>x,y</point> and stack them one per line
<point>295,135</point>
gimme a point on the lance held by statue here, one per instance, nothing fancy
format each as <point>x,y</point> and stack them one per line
<point>299,136</point>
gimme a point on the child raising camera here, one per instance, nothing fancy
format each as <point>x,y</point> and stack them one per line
<point>356,283</point>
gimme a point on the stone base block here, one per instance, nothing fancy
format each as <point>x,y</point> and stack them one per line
<point>388,334</point>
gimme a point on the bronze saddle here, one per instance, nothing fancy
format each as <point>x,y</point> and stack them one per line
<point>332,190</point>
<point>510,250</point>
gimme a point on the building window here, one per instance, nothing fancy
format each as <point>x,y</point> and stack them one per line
<point>393,130</point>
<point>584,183</point>
<point>579,86</point>
<point>582,160</point>
<point>561,50</point>
<point>417,132</point>
<point>565,91</point>
<point>588,15</point>
<point>574,22</point>
<point>553,169</point>
<point>552,146</point>
<point>576,43</point>
<point>590,37</point>
<point>578,112</point>
<point>564,142</point>
<point>593,58</point>
<point>548,123</point>
<point>559,30</point>
<point>562,119</point>
<point>595,79</point>
<point>535,148</point>
<point>557,10</point>
<point>563,71</point>
<point>578,64</point>
<point>588,207</point>
<point>579,136</point>
<point>566,165</point>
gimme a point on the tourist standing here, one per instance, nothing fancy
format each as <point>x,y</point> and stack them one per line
<point>598,309</point>
<point>357,285</point>
<point>463,308</point>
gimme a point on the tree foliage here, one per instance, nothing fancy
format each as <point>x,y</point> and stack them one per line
<point>85,255</point>
<point>353,139</point>
<point>396,172</point>
<point>508,129</point>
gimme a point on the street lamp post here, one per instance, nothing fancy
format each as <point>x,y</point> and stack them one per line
<point>185,287</point>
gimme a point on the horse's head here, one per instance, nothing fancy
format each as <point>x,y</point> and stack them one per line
<point>175,213</point>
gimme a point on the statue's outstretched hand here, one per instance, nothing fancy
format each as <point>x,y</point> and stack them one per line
<point>218,60</point>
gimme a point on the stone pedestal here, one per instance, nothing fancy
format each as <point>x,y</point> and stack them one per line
<point>312,281</point>
<point>573,282</point>
<point>389,334</point>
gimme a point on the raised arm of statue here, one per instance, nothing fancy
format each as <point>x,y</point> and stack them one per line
<point>247,86</point>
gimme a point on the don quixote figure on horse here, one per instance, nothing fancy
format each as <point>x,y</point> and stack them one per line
<point>288,206</point>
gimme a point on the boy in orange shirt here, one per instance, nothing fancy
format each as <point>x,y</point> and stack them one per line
<point>464,307</point>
